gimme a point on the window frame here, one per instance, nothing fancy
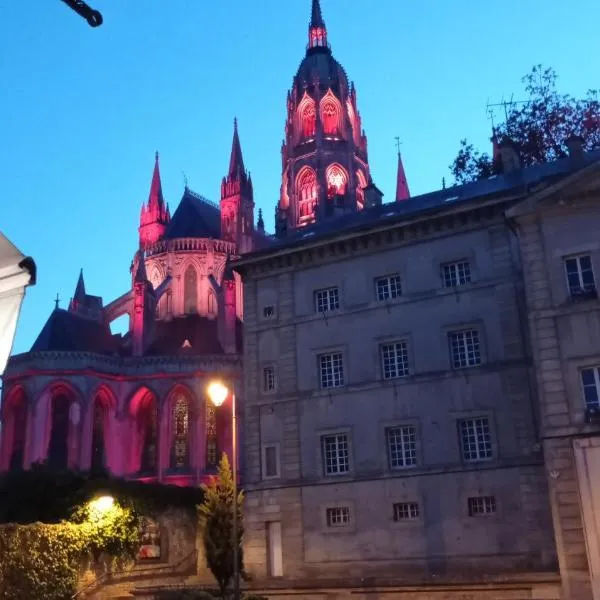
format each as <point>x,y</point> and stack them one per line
<point>323,452</point>
<point>485,514</point>
<point>492,449</point>
<point>343,525</point>
<point>479,341</point>
<point>455,264</point>
<point>388,449</point>
<point>595,368</point>
<point>410,519</point>
<point>394,342</point>
<point>342,379</point>
<point>264,369</point>
<point>591,291</point>
<point>388,277</point>
<point>330,291</point>
<point>263,468</point>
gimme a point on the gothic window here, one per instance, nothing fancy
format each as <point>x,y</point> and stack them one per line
<point>211,436</point>
<point>307,193</point>
<point>330,114</point>
<point>190,290</point>
<point>211,303</point>
<point>308,116</point>
<point>180,449</point>
<point>336,181</point>
<point>361,184</point>
<point>58,450</point>
<point>98,433</point>
<point>148,424</point>
<point>19,431</point>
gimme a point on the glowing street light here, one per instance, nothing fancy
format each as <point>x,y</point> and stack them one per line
<point>218,393</point>
<point>102,505</point>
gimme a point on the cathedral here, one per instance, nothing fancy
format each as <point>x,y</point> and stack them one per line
<point>136,404</point>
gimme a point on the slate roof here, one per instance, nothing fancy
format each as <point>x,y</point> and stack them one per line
<point>195,217</point>
<point>200,332</point>
<point>518,182</point>
<point>68,332</point>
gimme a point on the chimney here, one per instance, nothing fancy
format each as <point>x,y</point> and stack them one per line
<point>373,195</point>
<point>509,156</point>
<point>575,146</point>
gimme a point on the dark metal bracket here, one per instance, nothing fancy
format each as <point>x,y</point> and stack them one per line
<point>93,17</point>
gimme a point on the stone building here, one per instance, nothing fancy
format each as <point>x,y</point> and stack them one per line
<point>393,437</point>
<point>136,404</point>
<point>557,227</point>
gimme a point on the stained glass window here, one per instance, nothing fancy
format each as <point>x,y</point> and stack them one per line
<point>180,455</point>
<point>98,454</point>
<point>336,181</point>
<point>330,114</point>
<point>309,119</point>
<point>58,450</point>
<point>211,436</point>
<point>190,290</point>
<point>19,433</point>
<point>307,193</point>
<point>148,431</point>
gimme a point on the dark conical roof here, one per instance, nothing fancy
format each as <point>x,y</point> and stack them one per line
<point>195,217</point>
<point>316,17</point>
<point>236,161</point>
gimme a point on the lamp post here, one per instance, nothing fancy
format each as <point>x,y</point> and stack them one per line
<point>218,392</point>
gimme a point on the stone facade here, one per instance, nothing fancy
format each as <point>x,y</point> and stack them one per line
<point>380,478</point>
<point>557,230</point>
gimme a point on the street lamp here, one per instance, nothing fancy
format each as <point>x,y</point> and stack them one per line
<point>218,392</point>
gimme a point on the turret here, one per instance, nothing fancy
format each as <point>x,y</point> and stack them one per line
<point>237,200</point>
<point>155,215</point>
<point>402,192</point>
<point>144,307</point>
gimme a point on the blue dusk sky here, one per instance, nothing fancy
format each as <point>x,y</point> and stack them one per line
<point>83,110</point>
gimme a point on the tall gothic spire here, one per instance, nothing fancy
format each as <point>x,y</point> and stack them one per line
<point>402,192</point>
<point>78,299</point>
<point>317,32</point>
<point>236,162</point>
<point>155,199</point>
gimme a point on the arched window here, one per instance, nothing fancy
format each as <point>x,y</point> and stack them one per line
<point>58,449</point>
<point>337,180</point>
<point>147,421</point>
<point>211,303</point>
<point>16,430</point>
<point>190,290</point>
<point>308,116</point>
<point>331,114</point>
<point>361,184</point>
<point>307,193</point>
<point>98,436</point>
<point>180,445</point>
<point>211,437</point>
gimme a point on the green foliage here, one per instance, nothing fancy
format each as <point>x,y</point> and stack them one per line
<point>45,495</point>
<point>539,127</point>
<point>41,561</point>
<point>216,513</point>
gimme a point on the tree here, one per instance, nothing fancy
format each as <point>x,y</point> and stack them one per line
<point>216,514</point>
<point>539,127</point>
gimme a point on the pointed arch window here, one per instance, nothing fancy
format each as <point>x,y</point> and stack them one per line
<point>361,184</point>
<point>307,193</point>
<point>331,114</point>
<point>337,181</point>
<point>211,303</point>
<point>18,417</point>
<point>190,290</point>
<point>308,116</point>
<point>98,436</point>
<point>211,436</point>
<point>180,448</point>
<point>148,431</point>
<point>58,449</point>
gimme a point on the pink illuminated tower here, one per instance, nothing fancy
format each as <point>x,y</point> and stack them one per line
<point>325,165</point>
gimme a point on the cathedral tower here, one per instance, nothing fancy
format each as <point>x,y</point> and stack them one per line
<point>155,215</point>
<point>324,154</point>
<point>237,200</point>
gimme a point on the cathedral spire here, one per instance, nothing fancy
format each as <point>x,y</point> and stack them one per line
<point>155,199</point>
<point>317,32</point>
<point>402,192</point>
<point>236,161</point>
<point>78,299</point>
